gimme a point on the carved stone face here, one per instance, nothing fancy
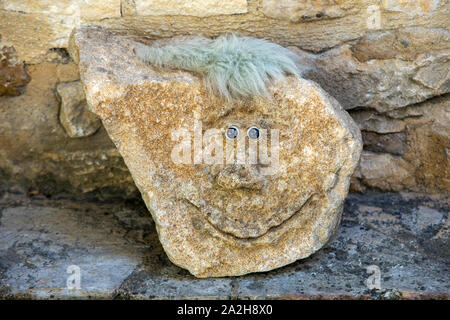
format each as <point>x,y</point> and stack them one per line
<point>247,199</point>
<point>242,202</point>
<point>219,218</point>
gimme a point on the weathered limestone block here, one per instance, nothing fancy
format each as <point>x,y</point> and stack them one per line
<point>429,154</point>
<point>411,7</point>
<point>373,122</point>
<point>77,9</point>
<point>385,70</point>
<point>409,148</point>
<point>384,172</point>
<point>34,27</point>
<point>326,24</point>
<point>197,8</point>
<point>405,44</point>
<point>74,115</point>
<point>306,10</point>
<point>37,154</point>
<point>225,218</point>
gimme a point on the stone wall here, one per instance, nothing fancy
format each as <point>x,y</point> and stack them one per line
<point>387,62</point>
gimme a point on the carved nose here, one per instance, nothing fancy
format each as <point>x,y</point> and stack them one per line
<point>240,176</point>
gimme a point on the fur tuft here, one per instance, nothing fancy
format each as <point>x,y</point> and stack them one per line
<point>233,67</point>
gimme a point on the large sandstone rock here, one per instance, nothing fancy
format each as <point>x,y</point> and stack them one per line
<point>222,219</point>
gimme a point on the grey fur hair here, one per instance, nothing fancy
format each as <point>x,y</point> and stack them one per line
<point>233,67</point>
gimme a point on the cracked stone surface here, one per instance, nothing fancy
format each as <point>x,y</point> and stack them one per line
<point>115,244</point>
<point>217,217</point>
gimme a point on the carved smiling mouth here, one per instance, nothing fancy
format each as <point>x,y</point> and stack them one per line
<point>237,229</point>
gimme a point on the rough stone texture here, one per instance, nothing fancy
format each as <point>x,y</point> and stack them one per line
<point>116,246</point>
<point>128,8</point>
<point>47,24</point>
<point>407,149</point>
<point>384,57</point>
<point>314,36</point>
<point>42,30</point>
<point>74,115</point>
<point>385,172</point>
<point>76,8</point>
<point>13,76</point>
<point>306,10</point>
<point>37,155</point>
<point>197,8</point>
<point>383,82</point>
<point>369,121</point>
<point>393,143</point>
<point>405,44</point>
<point>222,219</point>
<point>412,8</point>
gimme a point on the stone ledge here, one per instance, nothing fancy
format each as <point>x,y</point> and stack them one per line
<point>117,248</point>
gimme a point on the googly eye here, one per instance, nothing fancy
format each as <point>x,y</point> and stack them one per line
<point>253,133</point>
<point>232,133</point>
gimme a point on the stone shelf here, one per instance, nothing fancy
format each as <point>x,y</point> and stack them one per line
<point>116,247</point>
